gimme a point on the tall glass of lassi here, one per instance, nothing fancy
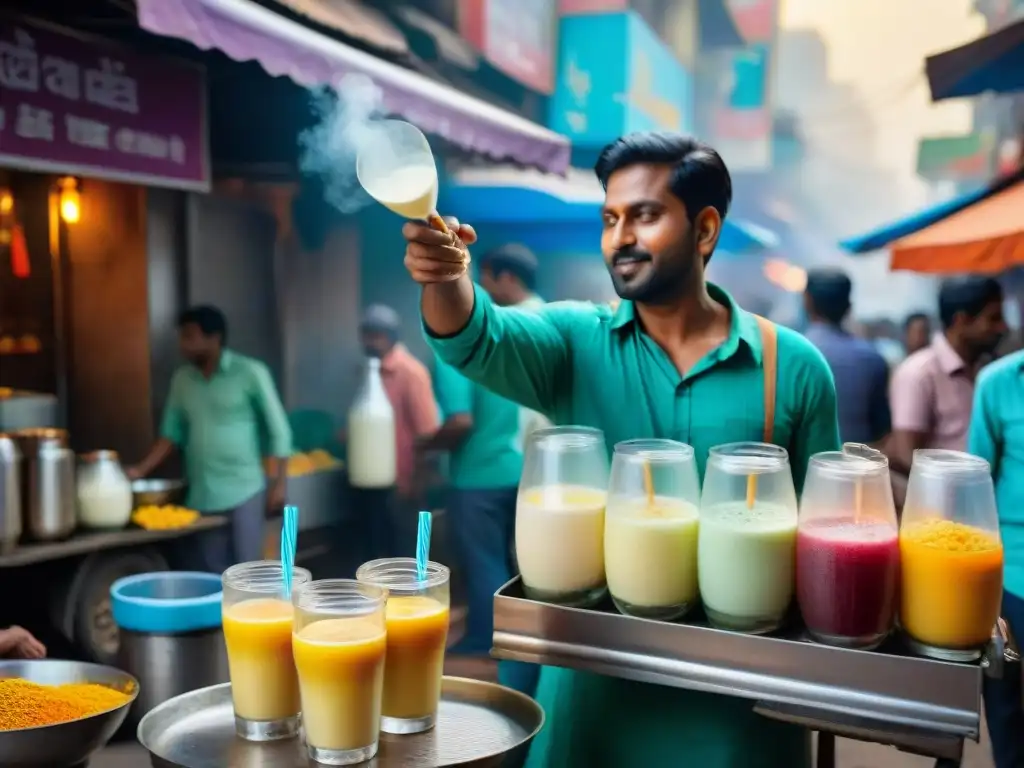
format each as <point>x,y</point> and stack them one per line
<point>560,515</point>
<point>257,616</point>
<point>951,556</point>
<point>650,530</point>
<point>340,641</point>
<point>417,621</point>
<point>847,548</point>
<point>746,548</point>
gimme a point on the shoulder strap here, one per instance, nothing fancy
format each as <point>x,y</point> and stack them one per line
<point>770,364</point>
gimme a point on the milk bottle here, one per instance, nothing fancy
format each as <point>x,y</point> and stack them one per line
<point>371,434</point>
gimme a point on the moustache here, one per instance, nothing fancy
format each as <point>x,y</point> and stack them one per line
<point>630,256</point>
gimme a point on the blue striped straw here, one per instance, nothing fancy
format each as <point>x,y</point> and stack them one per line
<point>422,545</point>
<point>289,540</point>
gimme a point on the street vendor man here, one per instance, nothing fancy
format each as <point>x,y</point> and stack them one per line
<point>223,413</point>
<point>676,358</point>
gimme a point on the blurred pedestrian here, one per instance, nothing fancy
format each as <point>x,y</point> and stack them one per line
<point>484,434</point>
<point>917,332</point>
<point>861,373</point>
<point>994,436</point>
<point>931,392</point>
<point>222,410</point>
<point>385,515</point>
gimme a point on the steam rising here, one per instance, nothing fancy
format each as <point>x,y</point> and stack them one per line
<point>344,125</point>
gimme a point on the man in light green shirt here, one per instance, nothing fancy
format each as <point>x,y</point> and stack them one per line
<point>678,359</point>
<point>221,409</point>
<point>484,434</point>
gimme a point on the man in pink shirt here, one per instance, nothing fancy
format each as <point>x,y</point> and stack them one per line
<point>407,383</point>
<point>931,392</point>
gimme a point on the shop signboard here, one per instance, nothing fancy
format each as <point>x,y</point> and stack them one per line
<point>569,7</point>
<point>615,76</point>
<point>956,158</point>
<point>75,105</point>
<point>516,37</point>
<point>740,98</point>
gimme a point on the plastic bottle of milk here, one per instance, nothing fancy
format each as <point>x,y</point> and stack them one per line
<point>371,434</point>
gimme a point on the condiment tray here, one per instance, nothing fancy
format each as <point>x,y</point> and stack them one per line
<point>888,696</point>
<point>480,725</point>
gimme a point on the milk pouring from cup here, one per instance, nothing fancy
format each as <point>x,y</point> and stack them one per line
<point>395,166</point>
<point>371,434</point>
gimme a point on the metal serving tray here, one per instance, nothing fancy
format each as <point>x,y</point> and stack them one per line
<point>479,725</point>
<point>887,696</point>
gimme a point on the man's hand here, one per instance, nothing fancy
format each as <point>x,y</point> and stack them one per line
<point>135,473</point>
<point>276,495</point>
<point>18,643</point>
<point>437,257</point>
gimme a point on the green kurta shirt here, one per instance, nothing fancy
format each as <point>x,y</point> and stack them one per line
<point>221,424</point>
<point>584,364</point>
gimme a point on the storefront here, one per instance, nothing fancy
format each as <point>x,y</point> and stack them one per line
<point>91,134</point>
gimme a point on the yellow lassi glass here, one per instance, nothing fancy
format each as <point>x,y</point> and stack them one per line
<point>746,547</point>
<point>951,556</point>
<point>650,529</point>
<point>417,622</point>
<point>340,642</point>
<point>257,617</point>
<point>560,515</point>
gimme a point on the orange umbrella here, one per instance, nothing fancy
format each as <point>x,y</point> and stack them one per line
<point>984,238</point>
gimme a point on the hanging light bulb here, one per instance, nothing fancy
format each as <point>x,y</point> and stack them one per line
<point>6,202</point>
<point>70,202</point>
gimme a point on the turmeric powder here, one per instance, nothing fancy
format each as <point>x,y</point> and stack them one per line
<point>28,705</point>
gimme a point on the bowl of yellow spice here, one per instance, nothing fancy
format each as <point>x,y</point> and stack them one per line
<point>57,714</point>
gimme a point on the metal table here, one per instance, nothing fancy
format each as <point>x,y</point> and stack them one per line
<point>887,696</point>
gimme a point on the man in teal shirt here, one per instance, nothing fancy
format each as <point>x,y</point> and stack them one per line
<point>220,409</point>
<point>676,359</point>
<point>996,434</point>
<point>484,433</point>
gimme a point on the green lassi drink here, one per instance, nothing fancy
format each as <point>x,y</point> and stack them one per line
<point>746,564</point>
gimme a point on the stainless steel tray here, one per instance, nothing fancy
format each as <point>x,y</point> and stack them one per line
<point>479,725</point>
<point>888,696</point>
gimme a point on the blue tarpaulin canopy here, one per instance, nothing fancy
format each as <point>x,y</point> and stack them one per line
<point>552,213</point>
<point>994,63</point>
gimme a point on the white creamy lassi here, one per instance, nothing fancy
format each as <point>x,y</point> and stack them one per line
<point>409,191</point>
<point>650,555</point>
<point>746,562</point>
<point>560,543</point>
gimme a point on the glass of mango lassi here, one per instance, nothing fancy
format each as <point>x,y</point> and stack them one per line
<point>257,618</point>
<point>417,622</point>
<point>951,556</point>
<point>746,545</point>
<point>560,516</point>
<point>340,641</point>
<point>650,531</point>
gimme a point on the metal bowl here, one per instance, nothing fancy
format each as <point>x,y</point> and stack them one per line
<point>157,493</point>
<point>64,744</point>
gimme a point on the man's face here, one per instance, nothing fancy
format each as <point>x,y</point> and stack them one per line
<point>491,284</point>
<point>195,346</point>
<point>918,335</point>
<point>376,343</point>
<point>984,332</point>
<point>650,248</point>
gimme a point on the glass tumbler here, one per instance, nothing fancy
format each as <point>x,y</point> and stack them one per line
<point>417,623</point>
<point>746,545</point>
<point>257,618</point>
<point>847,548</point>
<point>560,516</point>
<point>951,562</point>
<point>650,530</point>
<point>340,641</point>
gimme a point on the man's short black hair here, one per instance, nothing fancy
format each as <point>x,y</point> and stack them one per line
<point>380,318</point>
<point>969,294</point>
<point>829,291</point>
<point>915,317</point>
<point>699,176</point>
<point>514,258</point>
<point>208,319</point>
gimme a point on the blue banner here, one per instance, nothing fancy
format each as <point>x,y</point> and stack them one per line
<point>616,76</point>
